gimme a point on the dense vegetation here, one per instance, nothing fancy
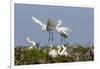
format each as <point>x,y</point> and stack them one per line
<point>25,56</point>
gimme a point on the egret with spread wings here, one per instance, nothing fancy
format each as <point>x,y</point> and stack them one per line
<point>49,27</point>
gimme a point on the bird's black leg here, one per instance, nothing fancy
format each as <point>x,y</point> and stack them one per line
<point>61,39</point>
<point>64,41</point>
<point>49,36</point>
<point>52,36</point>
<point>67,43</point>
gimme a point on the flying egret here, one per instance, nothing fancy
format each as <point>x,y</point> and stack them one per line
<point>62,50</point>
<point>63,31</point>
<point>49,27</point>
<point>32,42</point>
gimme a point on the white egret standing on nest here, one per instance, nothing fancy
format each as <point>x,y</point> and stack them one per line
<point>49,27</point>
<point>63,31</point>
<point>62,50</point>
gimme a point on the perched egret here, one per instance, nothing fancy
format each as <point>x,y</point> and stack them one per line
<point>31,42</point>
<point>62,50</point>
<point>63,31</point>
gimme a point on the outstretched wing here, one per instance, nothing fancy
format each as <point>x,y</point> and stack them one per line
<point>37,21</point>
<point>68,29</point>
<point>64,31</point>
<point>50,24</point>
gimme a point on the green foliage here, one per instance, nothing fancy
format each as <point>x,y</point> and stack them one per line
<point>25,56</point>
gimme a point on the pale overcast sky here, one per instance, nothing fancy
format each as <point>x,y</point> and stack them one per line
<point>80,20</point>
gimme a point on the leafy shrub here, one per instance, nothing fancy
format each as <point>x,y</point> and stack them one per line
<point>25,56</point>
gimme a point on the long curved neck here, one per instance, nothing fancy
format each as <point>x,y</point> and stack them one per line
<point>63,48</point>
<point>32,42</point>
<point>57,26</point>
<point>59,51</point>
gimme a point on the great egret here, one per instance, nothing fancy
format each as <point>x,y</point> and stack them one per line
<point>63,31</point>
<point>63,51</point>
<point>49,27</point>
<point>32,42</point>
